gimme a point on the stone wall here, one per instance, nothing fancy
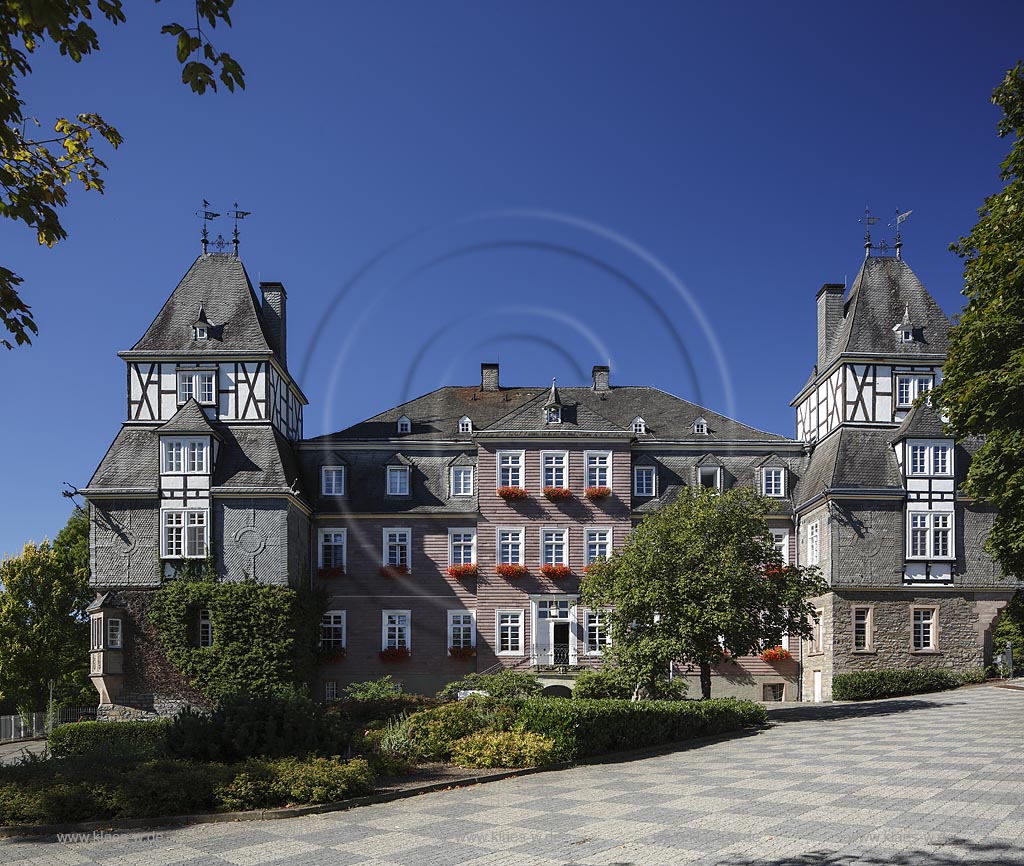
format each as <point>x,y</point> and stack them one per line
<point>812,661</point>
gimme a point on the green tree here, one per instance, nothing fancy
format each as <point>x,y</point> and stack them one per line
<point>698,580</point>
<point>1010,627</point>
<point>982,392</point>
<point>44,630</point>
<point>36,172</point>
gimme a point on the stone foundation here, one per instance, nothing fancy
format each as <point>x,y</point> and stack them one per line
<point>140,708</point>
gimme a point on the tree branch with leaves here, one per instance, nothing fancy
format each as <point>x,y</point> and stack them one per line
<point>37,172</point>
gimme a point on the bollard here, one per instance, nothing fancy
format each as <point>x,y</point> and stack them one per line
<point>1009,658</point>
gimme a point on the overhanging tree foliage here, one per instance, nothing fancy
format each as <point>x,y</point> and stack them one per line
<point>36,170</point>
<point>697,581</point>
<point>982,392</point>
<point>43,626</point>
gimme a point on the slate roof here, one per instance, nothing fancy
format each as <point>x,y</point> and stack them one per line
<point>851,457</point>
<point>190,418</point>
<point>218,285</point>
<point>435,416</point>
<point>922,422</point>
<point>253,458</point>
<point>883,292</point>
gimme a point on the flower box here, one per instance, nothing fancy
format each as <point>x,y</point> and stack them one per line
<point>332,657</point>
<point>457,572</point>
<point>395,654</point>
<point>597,492</point>
<point>555,571</point>
<point>394,570</point>
<point>462,652</point>
<point>510,569</point>
<point>556,494</point>
<point>336,571</point>
<point>775,654</point>
<point>510,494</point>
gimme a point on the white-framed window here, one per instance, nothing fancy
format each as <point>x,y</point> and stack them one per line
<point>185,455</point>
<point>554,468</point>
<point>599,468</point>
<point>710,477</point>
<point>818,631</point>
<point>465,424</point>
<point>910,387</point>
<point>461,546</point>
<point>330,691</point>
<point>396,629</point>
<point>397,547</point>
<point>700,427</point>
<point>598,636</point>
<point>918,459</point>
<point>115,633</point>
<point>930,534</point>
<point>96,632</point>
<point>510,546</point>
<point>202,332</point>
<point>813,543</point>
<point>773,692</point>
<point>199,385</point>
<point>598,544</point>
<point>940,460</point>
<point>780,539</point>
<point>925,622</point>
<point>553,414</point>
<point>510,469</point>
<point>205,629</point>
<point>773,481</point>
<point>332,630</point>
<point>925,459</point>
<point>184,534</point>
<point>404,425</point>
<point>509,625</point>
<point>554,608</point>
<point>333,548</point>
<point>862,629</point>
<point>554,546</point>
<point>639,426</point>
<point>332,480</point>
<point>461,629</point>
<point>398,481</point>
<point>462,481</point>
<point>643,481</point>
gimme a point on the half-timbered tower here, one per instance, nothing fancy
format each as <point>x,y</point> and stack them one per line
<point>879,508</point>
<point>203,464</point>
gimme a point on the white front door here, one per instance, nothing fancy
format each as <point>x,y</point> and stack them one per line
<point>541,639</point>
<point>817,687</point>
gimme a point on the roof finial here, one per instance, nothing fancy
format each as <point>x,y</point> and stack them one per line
<point>900,217</point>
<point>868,221</point>
<point>206,215</point>
<point>238,215</point>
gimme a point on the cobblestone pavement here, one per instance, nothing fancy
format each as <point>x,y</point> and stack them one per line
<point>937,779</point>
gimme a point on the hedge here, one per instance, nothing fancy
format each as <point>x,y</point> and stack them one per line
<point>591,727</point>
<point>490,749</point>
<point>126,740</point>
<point>871,685</point>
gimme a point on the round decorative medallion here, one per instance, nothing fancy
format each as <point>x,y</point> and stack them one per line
<point>250,540</point>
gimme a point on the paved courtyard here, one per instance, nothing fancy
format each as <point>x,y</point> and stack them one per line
<point>937,779</point>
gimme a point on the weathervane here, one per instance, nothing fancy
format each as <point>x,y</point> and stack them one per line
<point>900,218</point>
<point>206,215</point>
<point>868,221</point>
<point>883,246</point>
<point>238,215</point>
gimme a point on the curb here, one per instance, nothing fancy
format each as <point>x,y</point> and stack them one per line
<point>368,800</point>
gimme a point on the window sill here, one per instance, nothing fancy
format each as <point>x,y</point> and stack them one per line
<point>925,652</point>
<point>864,652</point>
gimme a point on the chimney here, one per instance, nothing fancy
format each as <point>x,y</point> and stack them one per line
<point>275,317</point>
<point>600,376</point>
<point>830,316</point>
<point>489,377</point>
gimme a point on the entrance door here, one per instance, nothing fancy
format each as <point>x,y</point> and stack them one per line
<point>560,642</point>
<point>817,687</point>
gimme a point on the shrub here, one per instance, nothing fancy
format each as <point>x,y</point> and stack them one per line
<point>432,733</point>
<point>616,683</point>
<point>591,727</point>
<point>390,746</point>
<point>488,749</point>
<point>265,784</point>
<point>373,690</point>
<point>347,719</point>
<point>870,685</point>
<point>120,740</point>
<point>970,676</point>
<point>503,685</point>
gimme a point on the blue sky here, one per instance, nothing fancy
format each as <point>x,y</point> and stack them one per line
<point>661,185</point>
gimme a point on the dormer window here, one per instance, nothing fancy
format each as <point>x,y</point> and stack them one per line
<point>404,425</point>
<point>198,385</point>
<point>906,336</point>
<point>773,481</point>
<point>465,424</point>
<point>202,332</point>
<point>639,426</point>
<point>398,481</point>
<point>710,477</point>
<point>700,427</point>
<point>553,414</point>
